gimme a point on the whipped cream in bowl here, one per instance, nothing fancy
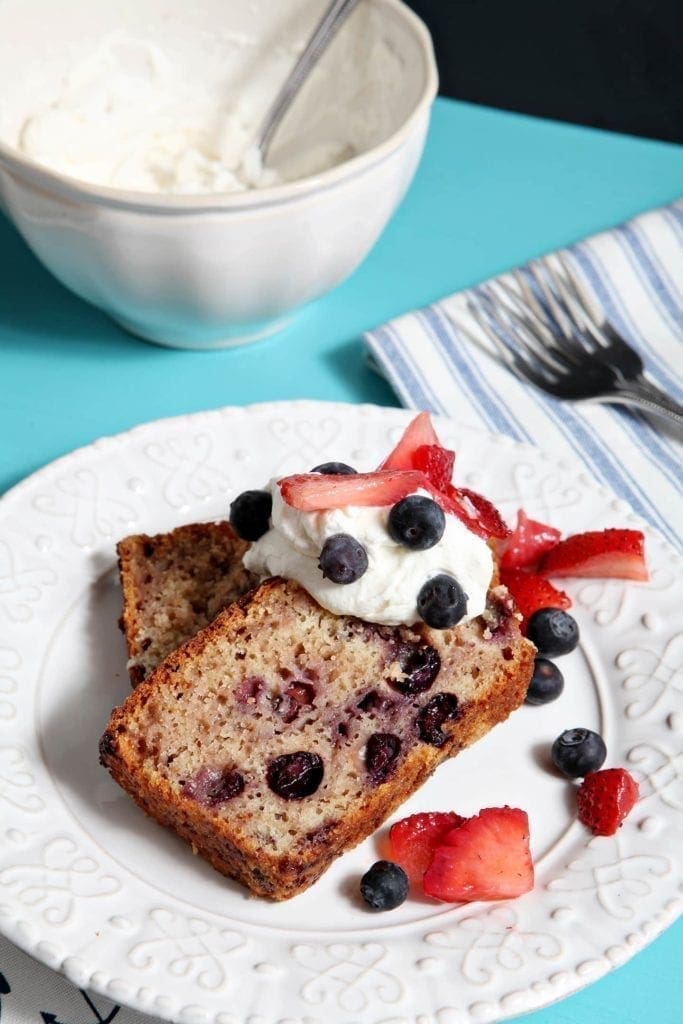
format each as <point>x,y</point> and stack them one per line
<point>387,591</point>
<point>126,153</point>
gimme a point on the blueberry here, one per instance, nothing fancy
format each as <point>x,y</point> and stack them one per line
<point>553,631</point>
<point>443,707</point>
<point>384,886</point>
<point>441,602</point>
<point>421,665</point>
<point>334,469</point>
<point>343,559</point>
<point>577,752</point>
<point>547,683</point>
<point>417,522</point>
<point>250,514</point>
<point>294,776</point>
<point>381,752</point>
<point>213,786</point>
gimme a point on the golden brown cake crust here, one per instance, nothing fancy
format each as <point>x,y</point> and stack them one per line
<point>220,698</point>
<point>174,584</point>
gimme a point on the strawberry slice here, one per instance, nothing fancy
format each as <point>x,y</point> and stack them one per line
<point>313,492</point>
<point>529,541</point>
<point>476,512</point>
<point>604,799</point>
<point>485,858</point>
<point>532,592</point>
<point>619,554</point>
<point>436,463</point>
<point>414,839</point>
<point>418,432</point>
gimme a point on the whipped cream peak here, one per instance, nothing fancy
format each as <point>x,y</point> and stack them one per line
<point>387,591</point>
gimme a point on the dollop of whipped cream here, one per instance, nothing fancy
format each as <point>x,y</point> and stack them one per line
<point>387,592</point>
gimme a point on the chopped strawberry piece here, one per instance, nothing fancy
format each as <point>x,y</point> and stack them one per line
<point>313,492</point>
<point>436,463</point>
<point>532,592</point>
<point>485,858</point>
<point>476,512</point>
<point>418,432</point>
<point>529,541</point>
<point>605,798</point>
<point>619,554</point>
<point>414,839</point>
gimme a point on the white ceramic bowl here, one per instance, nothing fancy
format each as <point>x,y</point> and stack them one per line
<point>206,271</point>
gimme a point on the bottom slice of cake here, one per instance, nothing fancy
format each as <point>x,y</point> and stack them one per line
<point>282,735</point>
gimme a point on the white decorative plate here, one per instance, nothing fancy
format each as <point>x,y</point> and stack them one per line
<point>94,889</point>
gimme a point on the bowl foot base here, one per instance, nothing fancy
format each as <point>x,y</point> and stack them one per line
<point>243,334</point>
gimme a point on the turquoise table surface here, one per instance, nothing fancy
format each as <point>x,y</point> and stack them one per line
<point>493,189</point>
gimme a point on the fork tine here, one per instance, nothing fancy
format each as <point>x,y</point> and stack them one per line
<point>536,334</point>
<point>527,350</point>
<point>566,282</point>
<point>591,310</point>
<point>563,346</point>
<point>554,308</point>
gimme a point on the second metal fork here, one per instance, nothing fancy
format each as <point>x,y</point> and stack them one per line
<point>550,333</point>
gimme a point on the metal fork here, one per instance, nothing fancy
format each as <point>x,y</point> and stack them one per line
<point>550,332</point>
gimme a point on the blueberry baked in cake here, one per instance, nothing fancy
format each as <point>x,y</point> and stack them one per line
<point>377,646</point>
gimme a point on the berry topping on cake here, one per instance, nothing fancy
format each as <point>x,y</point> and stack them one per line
<point>417,522</point>
<point>334,469</point>
<point>384,886</point>
<point>547,682</point>
<point>250,514</point>
<point>295,776</point>
<point>436,463</point>
<point>605,798</point>
<point>532,592</point>
<point>343,559</point>
<point>475,511</point>
<point>442,708</point>
<point>527,543</point>
<point>315,492</point>
<point>417,434</point>
<point>414,839</point>
<point>487,857</point>
<point>442,602</point>
<point>577,752</point>
<point>553,631</point>
<point>618,554</point>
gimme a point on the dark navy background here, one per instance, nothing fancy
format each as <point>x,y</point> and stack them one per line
<point>615,64</point>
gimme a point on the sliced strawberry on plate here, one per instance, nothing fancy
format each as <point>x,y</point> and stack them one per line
<point>476,512</point>
<point>528,542</point>
<point>418,432</point>
<point>485,858</point>
<point>414,839</point>
<point>532,592</point>
<point>313,492</point>
<point>604,799</point>
<point>436,463</point>
<point>618,554</point>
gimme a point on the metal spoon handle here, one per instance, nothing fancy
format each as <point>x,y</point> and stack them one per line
<point>337,12</point>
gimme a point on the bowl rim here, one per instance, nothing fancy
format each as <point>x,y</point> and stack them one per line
<point>70,187</point>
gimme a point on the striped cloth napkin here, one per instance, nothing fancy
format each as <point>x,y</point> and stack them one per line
<point>438,359</point>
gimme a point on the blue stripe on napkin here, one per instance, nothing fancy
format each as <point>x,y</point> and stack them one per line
<point>438,359</point>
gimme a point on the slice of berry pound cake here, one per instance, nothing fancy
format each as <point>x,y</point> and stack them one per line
<point>174,584</point>
<point>283,734</point>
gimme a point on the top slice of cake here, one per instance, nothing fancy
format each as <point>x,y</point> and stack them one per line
<point>282,734</point>
<point>174,584</point>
